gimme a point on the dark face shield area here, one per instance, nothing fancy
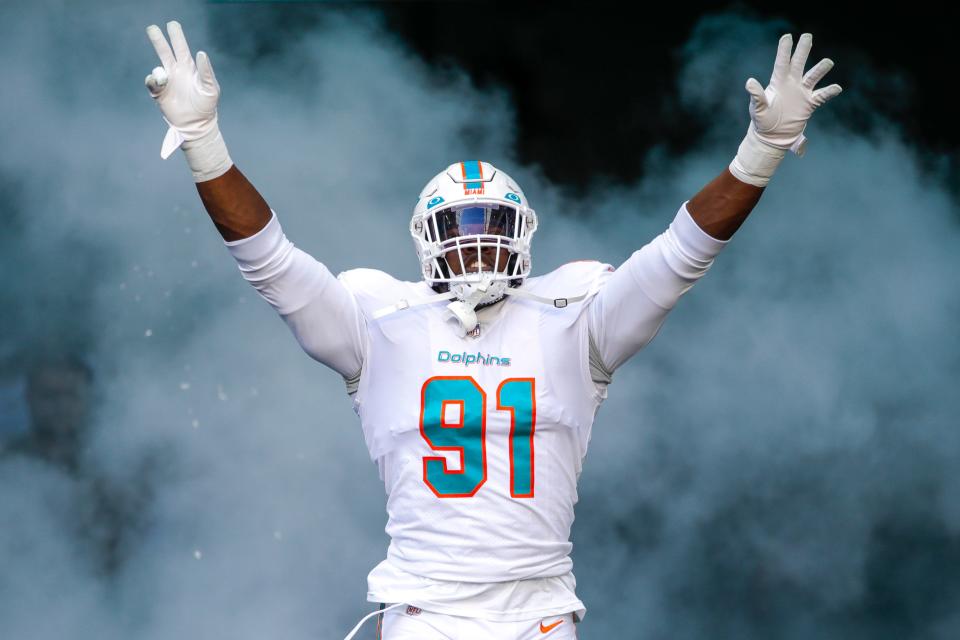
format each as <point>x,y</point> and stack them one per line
<point>477,238</point>
<point>473,221</point>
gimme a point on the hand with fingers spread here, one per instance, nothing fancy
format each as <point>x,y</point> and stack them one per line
<point>779,113</point>
<point>187,93</point>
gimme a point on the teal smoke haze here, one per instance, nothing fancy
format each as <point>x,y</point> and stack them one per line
<point>779,462</point>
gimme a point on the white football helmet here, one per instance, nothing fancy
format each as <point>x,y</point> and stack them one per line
<point>472,228</point>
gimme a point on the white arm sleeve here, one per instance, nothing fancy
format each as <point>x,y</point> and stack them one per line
<point>629,309</point>
<point>321,312</point>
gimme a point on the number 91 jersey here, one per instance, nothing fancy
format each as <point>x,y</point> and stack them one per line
<point>479,440</point>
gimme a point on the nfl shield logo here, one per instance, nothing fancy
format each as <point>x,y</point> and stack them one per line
<point>413,611</point>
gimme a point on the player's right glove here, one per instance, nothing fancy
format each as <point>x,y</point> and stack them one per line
<point>779,113</point>
<point>187,93</point>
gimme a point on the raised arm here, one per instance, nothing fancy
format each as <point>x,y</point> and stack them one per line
<point>630,309</point>
<point>235,206</point>
<point>316,306</point>
<point>778,117</point>
<point>187,93</point>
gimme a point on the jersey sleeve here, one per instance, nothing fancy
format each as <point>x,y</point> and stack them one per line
<point>320,311</point>
<point>630,308</point>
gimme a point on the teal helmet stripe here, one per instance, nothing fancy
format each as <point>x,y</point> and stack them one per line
<point>472,171</point>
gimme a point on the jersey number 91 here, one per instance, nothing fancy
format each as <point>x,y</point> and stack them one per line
<point>467,434</point>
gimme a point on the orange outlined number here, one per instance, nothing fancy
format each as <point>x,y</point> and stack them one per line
<point>466,434</point>
<point>453,417</point>
<point>518,396</point>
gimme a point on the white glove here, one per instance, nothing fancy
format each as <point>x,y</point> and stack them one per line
<point>779,113</point>
<point>187,95</point>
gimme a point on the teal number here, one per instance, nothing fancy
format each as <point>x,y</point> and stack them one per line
<point>465,434</point>
<point>517,396</point>
<point>453,418</point>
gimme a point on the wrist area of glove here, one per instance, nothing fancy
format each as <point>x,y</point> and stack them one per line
<point>756,161</point>
<point>207,155</point>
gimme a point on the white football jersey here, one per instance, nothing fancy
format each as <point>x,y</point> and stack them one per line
<point>479,439</point>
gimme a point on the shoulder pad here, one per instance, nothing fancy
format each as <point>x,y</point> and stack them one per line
<point>374,289</point>
<point>571,279</point>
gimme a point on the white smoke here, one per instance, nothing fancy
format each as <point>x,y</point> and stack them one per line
<point>778,453</point>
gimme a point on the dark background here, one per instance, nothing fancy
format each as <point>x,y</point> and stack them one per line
<point>593,82</point>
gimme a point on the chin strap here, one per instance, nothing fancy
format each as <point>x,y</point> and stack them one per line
<point>403,303</point>
<point>464,311</point>
<point>559,303</point>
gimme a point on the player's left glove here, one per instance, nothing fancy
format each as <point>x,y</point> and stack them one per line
<point>779,113</point>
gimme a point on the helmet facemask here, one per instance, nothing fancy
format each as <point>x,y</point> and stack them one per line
<point>475,249</point>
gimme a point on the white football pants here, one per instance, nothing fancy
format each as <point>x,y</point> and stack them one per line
<point>410,623</point>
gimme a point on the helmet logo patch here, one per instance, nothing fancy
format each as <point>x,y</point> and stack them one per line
<point>512,196</point>
<point>434,202</point>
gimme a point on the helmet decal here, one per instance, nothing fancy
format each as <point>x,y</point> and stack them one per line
<point>472,177</point>
<point>434,202</point>
<point>513,196</point>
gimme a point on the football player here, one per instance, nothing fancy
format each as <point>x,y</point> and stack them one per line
<point>477,386</point>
